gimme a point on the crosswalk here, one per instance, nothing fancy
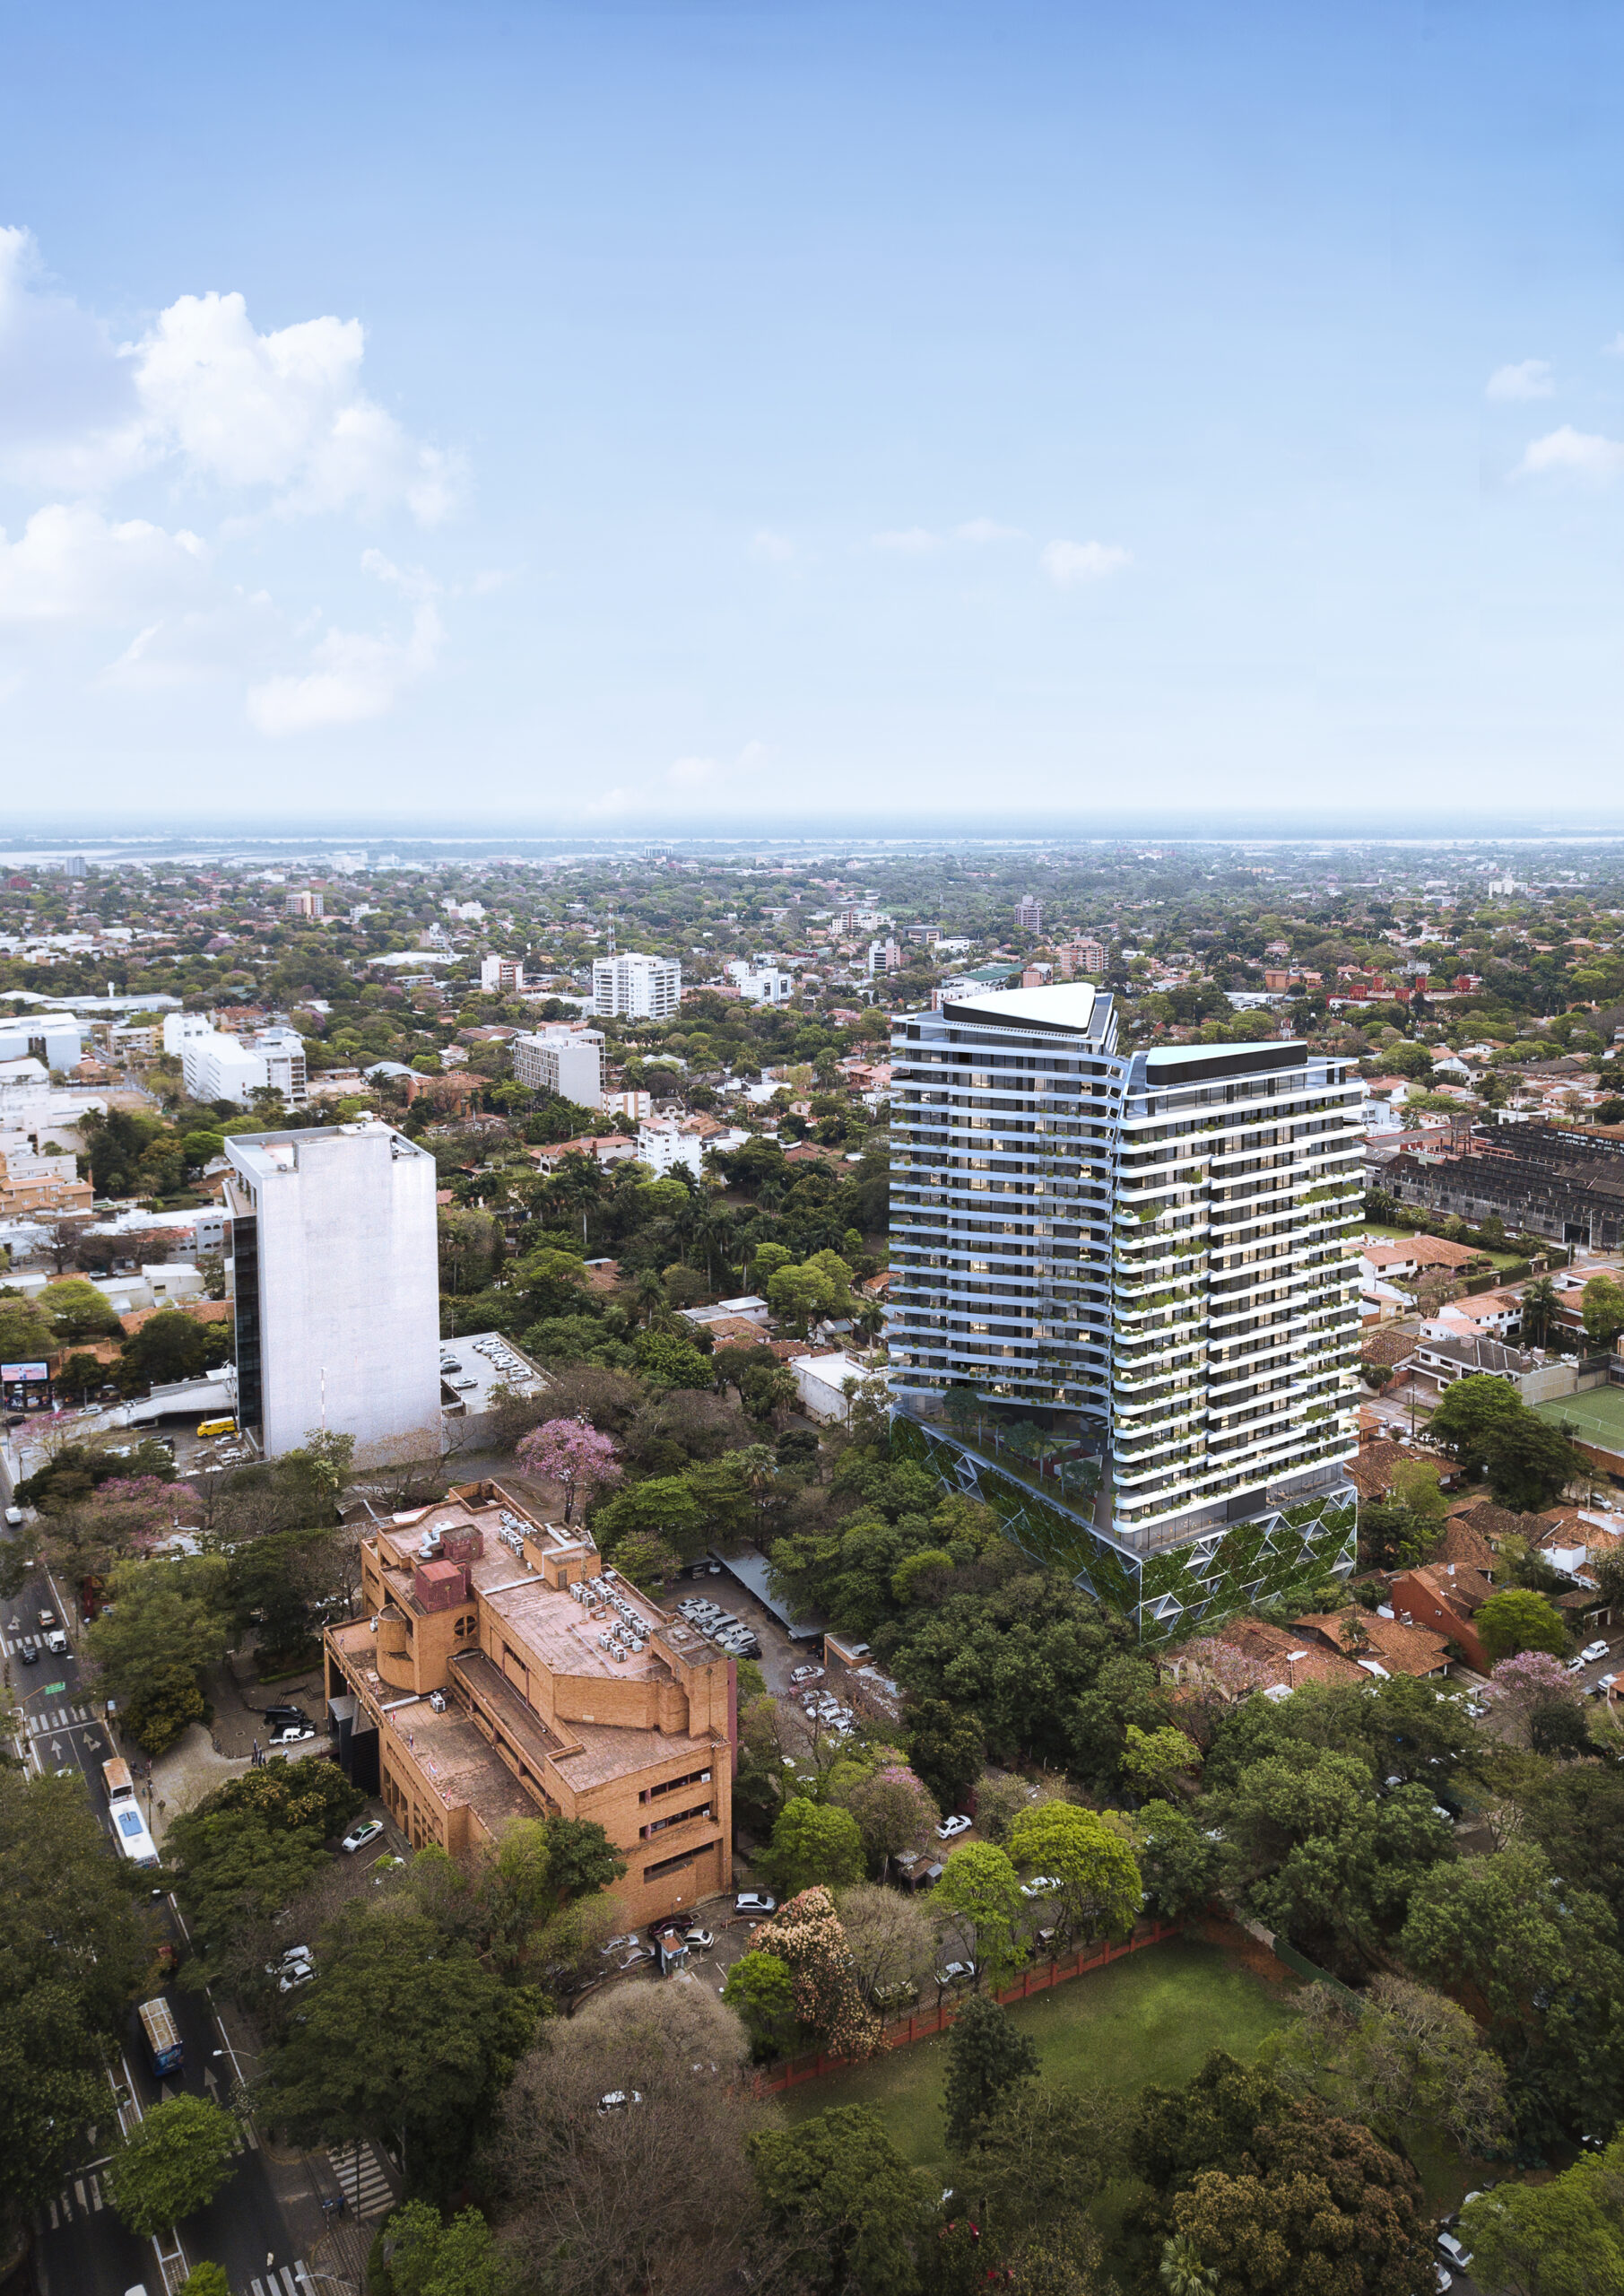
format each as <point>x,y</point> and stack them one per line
<point>82,2194</point>
<point>287,2280</point>
<point>375,2194</point>
<point>62,1718</point>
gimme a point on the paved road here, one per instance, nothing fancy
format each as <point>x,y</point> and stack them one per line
<point>81,2248</point>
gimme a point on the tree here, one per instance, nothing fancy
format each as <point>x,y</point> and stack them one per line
<point>813,1845</point>
<point>1181,2271</point>
<point>662,1507</point>
<point>1317,2204</point>
<point>581,1859</point>
<point>1531,1463</point>
<point>26,1329</point>
<point>947,1750</point>
<point>890,1943</point>
<point>169,1620</point>
<point>1561,2239</point>
<point>646,1560</point>
<point>1516,1618</point>
<point>206,2279</point>
<point>986,2056</point>
<point>1155,1760</point>
<point>274,1584</point>
<point>1044,2155</point>
<point>1540,1304</point>
<point>171,1346</point>
<point>431,2257</point>
<point>1470,1413</point>
<point>979,1884</point>
<point>79,1311</point>
<point>76,1948</point>
<point>1177,1861</point>
<point>844,2201</point>
<point>1100,1893</point>
<point>172,2163</point>
<point>1602,1309</point>
<point>895,1812</point>
<point>573,1454</point>
<point>656,2195</point>
<point>1410,2063</point>
<point>1530,1684</point>
<point>250,1847</point>
<point>421,2066</point>
<point>807,1933</point>
<point>761,1987</point>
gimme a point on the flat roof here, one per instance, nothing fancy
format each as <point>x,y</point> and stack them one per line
<point>750,1569</point>
<point>1063,1004</point>
<point>489,1360</point>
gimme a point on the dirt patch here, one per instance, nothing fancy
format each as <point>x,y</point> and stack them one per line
<point>1241,1948</point>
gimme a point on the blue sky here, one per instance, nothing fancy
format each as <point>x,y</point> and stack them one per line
<point>697,415</point>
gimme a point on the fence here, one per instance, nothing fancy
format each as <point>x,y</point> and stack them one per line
<point>921,2023</point>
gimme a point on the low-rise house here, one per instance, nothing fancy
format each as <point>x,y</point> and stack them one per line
<point>1380,1646</point>
<point>1444,1598</point>
<point>1287,1658</point>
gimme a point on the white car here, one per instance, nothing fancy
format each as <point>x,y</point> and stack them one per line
<point>620,1944</point>
<point>701,1940</point>
<point>1576,1666</point>
<point>1460,2257</point>
<point>1591,1651</point>
<point>950,1828</point>
<point>14,1515</point>
<point>294,1735</point>
<point>807,1674</point>
<point>360,1836</point>
<point>618,2099</point>
<point>755,1901</point>
<point>1041,1885</point>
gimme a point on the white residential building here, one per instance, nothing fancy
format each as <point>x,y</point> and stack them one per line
<point>178,1026</point>
<point>54,1039</point>
<point>336,1282</point>
<point>219,1067</point>
<point>642,988</point>
<point>760,983</point>
<point>665,1143</point>
<point>1138,1256</point>
<point>562,1057</point>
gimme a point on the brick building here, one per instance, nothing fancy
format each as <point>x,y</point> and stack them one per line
<point>501,1672</point>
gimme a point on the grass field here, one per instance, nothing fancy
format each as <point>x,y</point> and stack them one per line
<point>1596,1416</point>
<point>1153,2017</point>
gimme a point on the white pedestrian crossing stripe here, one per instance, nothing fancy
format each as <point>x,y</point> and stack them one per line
<point>288,2280</point>
<point>367,2190</point>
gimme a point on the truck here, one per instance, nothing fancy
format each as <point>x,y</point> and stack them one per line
<point>164,2049</point>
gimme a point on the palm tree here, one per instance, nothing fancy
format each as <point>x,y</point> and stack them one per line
<point>651,1295</point>
<point>1539,1304</point>
<point>1181,2272</point>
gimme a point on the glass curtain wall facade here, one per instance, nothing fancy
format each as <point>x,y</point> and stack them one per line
<point>1122,1310</point>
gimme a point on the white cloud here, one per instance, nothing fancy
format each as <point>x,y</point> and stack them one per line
<point>1586,454</point>
<point>1529,378</point>
<point>693,772</point>
<point>1615,349</point>
<point>910,540</point>
<point>71,565</point>
<point>1068,563</point>
<point>772,549</point>
<point>980,530</point>
<point>354,674</point>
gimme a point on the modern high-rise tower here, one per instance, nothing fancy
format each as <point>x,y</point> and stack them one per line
<point>642,988</point>
<point>1121,1310</point>
<point>335,1276</point>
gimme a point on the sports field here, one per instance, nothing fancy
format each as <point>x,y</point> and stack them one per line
<point>1151,2018</point>
<point>1595,1417</point>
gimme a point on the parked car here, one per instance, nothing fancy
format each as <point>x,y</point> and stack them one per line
<point>701,1940</point>
<point>1041,1885</point>
<point>1603,1683</point>
<point>1459,2256</point>
<point>755,1901</point>
<point>1591,1651</point>
<point>807,1674</point>
<point>360,1836</point>
<point>276,1716</point>
<point>635,1958</point>
<point>618,2099</point>
<point>296,1967</point>
<point>956,1973</point>
<point>619,1945</point>
<point>951,1827</point>
<point>292,1734</point>
<point>14,1515</point>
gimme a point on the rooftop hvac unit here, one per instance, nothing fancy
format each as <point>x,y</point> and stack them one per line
<point>437,1700</point>
<point>637,1645</point>
<point>620,1654</point>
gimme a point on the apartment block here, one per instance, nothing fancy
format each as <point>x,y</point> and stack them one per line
<point>216,1066</point>
<point>502,976</point>
<point>1028,914</point>
<point>304,904</point>
<point>54,1039</point>
<point>665,1141</point>
<point>563,1057</point>
<point>1122,1310</point>
<point>1080,960</point>
<point>760,983</point>
<point>501,1672</point>
<point>336,1283</point>
<point>639,987</point>
<point>43,1186</point>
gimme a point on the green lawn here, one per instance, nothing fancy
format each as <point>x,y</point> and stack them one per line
<point>1596,1416</point>
<point>1378,1234</point>
<point>1152,2017</point>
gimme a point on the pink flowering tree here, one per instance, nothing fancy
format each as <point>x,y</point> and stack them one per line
<point>573,1454</point>
<point>808,1934</point>
<point>895,1812</point>
<point>1521,1686</point>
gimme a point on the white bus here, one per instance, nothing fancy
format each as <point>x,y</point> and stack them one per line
<point>129,1827</point>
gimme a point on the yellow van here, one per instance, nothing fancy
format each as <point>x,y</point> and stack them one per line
<point>216,1427</point>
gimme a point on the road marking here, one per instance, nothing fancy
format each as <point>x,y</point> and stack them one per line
<point>96,2192</point>
<point>79,2193</point>
<point>368,2192</point>
<point>288,2281</point>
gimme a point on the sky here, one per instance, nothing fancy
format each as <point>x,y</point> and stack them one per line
<point>688,416</point>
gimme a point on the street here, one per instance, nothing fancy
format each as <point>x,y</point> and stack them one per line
<point>81,2247</point>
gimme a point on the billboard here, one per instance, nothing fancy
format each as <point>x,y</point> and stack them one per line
<point>25,1370</point>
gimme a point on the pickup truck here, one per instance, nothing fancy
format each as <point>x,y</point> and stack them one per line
<point>52,1635</point>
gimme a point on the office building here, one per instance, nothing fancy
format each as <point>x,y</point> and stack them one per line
<point>219,1067</point>
<point>501,1671</point>
<point>640,988</point>
<point>54,1039</point>
<point>336,1281</point>
<point>1028,914</point>
<point>561,1057</point>
<point>1121,1308</point>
